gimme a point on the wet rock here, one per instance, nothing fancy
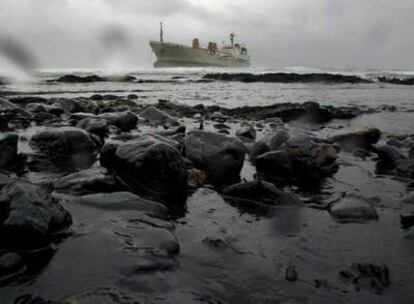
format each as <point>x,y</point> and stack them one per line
<point>63,142</point>
<point>260,193</point>
<point>287,77</point>
<point>291,273</point>
<point>407,221</point>
<point>5,179</point>
<point>408,199</point>
<point>224,131</point>
<point>274,165</point>
<point>353,208</point>
<point>107,157</point>
<point>277,139</point>
<point>389,154</point>
<point>41,107</point>
<point>257,149</point>
<point>105,295</point>
<point>367,276</point>
<point>11,264</point>
<point>154,167</point>
<point>69,78</point>
<point>246,133</point>
<point>220,126</point>
<point>218,116</point>
<point>69,105</point>
<point>394,80</point>
<point>411,152</point>
<point>360,139</point>
<point>126,121</point>
<point>300,158</point>
<point>157,117</point>
<point>87,181</point>
<point>405,168</point>
<point>29,216</point>
<point>220,156</point>
<point>8,149</point>
<point>121,201</point>
<point>6,105</point>
<point>94,125</point>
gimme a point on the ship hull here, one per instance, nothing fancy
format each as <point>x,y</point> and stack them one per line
<point>177,55</point>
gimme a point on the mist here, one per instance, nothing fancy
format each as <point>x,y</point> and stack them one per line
<point>115,34</point>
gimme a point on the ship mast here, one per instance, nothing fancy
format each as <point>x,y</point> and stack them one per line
<point>161,33</point>
<point>232,39</point>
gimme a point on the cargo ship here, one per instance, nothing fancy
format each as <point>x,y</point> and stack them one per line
<point>179,55</point>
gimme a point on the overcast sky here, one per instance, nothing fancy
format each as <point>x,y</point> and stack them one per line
<point>115,33</point>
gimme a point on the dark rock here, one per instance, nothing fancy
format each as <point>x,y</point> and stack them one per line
<point>291,273</point>
<point>87,181</point>
<point>389,154</point>
<point>157,117</point>
<point>407,221</point>
<point>62,142</point>
<point>218,116</point>
<point>408,199</point>
<point>153,166</point>
<point>287,77</point>
<point>29,216</point>
<point>394,80</point>
<point>6,105</point>
<point>367,276</point>
<point>274,165</point>
<point>25,100</point>
<point>300,157</point>
<point>96,97</point>
<point>107,157</point>
<point>353,208</point>
<point>126,121</point>
<point>224,131</point>
<point>405,168</point>
<point>411,152</point>
<point>220,156</point>
<point>121,201</point>
<point>360,139</point>
<point>41,107</point>
<point>5,179</point>
<point>94,125</point>
<point>221,125</point>
<point>246,132</point>
<point>11,264</point>
<point>79,79</point>
<point>132,96</point>
<point>69,105</point>
<point>8,149</point>
<point>257,149</point>
<point>260,193</point>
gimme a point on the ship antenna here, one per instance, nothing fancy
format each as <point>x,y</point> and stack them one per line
<point>161,33</point>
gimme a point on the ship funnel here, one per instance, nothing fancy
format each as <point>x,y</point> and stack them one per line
<point>196,43</point>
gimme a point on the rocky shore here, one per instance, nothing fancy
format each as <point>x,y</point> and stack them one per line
<point>171,203</point>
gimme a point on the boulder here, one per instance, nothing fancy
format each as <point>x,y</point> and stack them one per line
<point>353,208</point>
<point>121,201</point>
<point>299,156</point>
<point>408,199</point>
<point>63,142</point>
<point>125,121</point>
<point>364,138</point>
<point>220,156</point>
<point>8,149</point>
<point>94,125</point>
<point>30,216</point>
<point>154,167</point>
<point>246,133</point>
<point>157,117</point>
<point>11,264</point>
<point>87,181</point>
<point>261,193</point>
<point>41,107</point>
